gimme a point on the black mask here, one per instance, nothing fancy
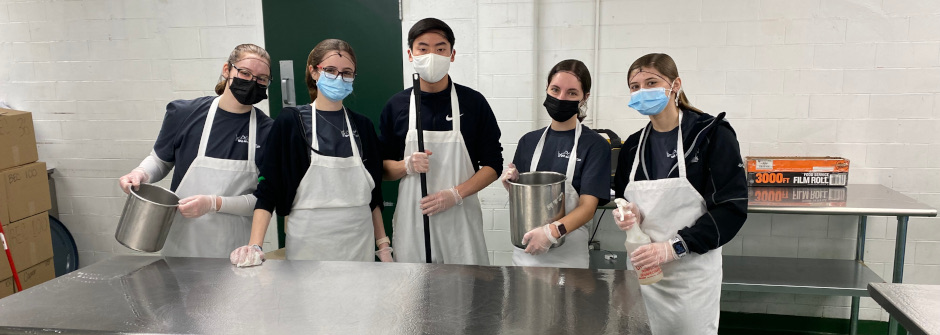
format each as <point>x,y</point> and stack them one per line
<point>247,92</point>
<point>560,110</point>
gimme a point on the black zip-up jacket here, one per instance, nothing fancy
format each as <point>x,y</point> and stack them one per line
<point>713,166</point>
<point>284,168</point>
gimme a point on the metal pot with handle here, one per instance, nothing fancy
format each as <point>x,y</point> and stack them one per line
<point>535,199</point>
<point>147,217</point>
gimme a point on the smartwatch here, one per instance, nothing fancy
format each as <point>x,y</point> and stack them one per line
<point>678,246</point>
<point>561,228</point>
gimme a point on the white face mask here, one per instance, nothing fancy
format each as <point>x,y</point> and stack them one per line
<point>431,67</point>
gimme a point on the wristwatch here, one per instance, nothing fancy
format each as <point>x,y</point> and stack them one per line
<point>678,246</point>
<point>561,228</point>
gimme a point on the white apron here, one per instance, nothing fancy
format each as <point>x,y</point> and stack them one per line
<point>574,252</point>
<point>686,300</point>
<point>330,219</point>
<point>214,234</point>
<point>457,233</point>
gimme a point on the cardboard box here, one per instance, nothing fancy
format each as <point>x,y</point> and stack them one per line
<point>37,274</point>
<point>801,196</point>
<point>17,138</point>
<point>30,243</point>
<point>7,287</point>
<point>24,192</point>
<point>797,171</point>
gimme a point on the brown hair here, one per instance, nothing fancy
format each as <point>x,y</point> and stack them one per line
<point>240,52</point>
<point>317,55</point>
<point>579,70</point>
<point>665,65</point>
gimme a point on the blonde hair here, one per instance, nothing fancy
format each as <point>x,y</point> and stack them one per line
<point>240,52</point>
<point>665,65</point>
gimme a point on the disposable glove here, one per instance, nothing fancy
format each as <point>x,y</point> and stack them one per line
<point>538,240</point>
<point>417,162</point>
<point>133,179</point>
<point>385,255</point>
<point>197,205</point>
<point>509,174</point>
<point>249,255</point>
<point>653,254</point>
<point>440,201</point>
<point>627,214</point>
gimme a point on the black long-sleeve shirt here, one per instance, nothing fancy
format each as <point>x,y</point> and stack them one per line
<point>477,124</point>
<point>713,167</point>
<point>288,151</point>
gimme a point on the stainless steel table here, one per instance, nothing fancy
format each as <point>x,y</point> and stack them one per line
<point>917,307</point>
<point>860,200</point>
<point>843,277</point>
<point>149,294</point>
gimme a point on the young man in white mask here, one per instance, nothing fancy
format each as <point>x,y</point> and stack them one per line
<point>463,155</point>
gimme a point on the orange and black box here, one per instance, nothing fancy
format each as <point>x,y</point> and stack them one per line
<point>797,171</point>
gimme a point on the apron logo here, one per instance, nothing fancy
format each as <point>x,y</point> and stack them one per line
<point>451,118</point>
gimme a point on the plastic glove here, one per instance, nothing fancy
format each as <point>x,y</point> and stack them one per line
<point>627,214</point>
<point>653,254</point>
<point>538,240</point>
<point>197,205</point>
<point>385,255</point>
<point>440,201</point>
<point>134,178</point>
<point>509,174</point>
<point>417,162</point>
<point>249,255</point>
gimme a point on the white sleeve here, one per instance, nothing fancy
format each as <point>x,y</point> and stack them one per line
<point>155,168</point>
<point>243,205</point>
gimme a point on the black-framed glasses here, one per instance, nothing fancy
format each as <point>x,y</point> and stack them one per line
<point>332,72</point>
<point>247,75</point>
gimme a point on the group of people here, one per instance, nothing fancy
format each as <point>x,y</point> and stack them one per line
<point>321,166</point>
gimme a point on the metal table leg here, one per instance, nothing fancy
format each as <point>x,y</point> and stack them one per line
<point>900,243</point>
<point>859,256</point>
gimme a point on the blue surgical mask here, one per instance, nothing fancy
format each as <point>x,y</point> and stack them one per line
<point>334,89</point>
<point>649,101</point>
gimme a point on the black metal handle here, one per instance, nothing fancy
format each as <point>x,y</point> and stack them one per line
<point>416,90</point>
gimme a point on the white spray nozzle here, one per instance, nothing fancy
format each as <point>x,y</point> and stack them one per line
<point>621,205</point>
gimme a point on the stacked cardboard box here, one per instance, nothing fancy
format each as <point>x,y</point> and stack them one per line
<point>24,204</point>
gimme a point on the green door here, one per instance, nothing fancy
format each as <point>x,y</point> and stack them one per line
<point>373,28</point>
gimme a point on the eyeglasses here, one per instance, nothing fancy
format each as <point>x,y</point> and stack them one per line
<point>332,72</point>
<point>247,75</point>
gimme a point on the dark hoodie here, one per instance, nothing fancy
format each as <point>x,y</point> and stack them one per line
<point>714,167</point>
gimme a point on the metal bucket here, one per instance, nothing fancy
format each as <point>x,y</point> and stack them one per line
<point>535,199</point>
<point>147,217</point>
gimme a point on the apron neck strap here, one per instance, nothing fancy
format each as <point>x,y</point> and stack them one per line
<point>315,144</point>
<point>207,129</point>
<point>680,151</point>
<point>572,156</point>
<point>454,109</point>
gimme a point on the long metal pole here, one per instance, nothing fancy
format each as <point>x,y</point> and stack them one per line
<point>900,242</point>
<point>859,257</point>
<point>416,90</point>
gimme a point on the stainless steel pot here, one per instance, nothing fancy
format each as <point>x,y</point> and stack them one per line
<point>147,217</point>
<point>535,199</point>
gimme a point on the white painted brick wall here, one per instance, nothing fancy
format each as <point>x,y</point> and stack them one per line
<point>856,78</point>
<point>97,76</point>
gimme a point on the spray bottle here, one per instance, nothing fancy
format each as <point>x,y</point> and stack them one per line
<point>635,239</point>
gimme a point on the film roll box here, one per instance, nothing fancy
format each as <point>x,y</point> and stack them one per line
<point>797,171</point>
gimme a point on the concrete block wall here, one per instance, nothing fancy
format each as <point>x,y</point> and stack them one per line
<point>97,76</point>
<point>853,78</point>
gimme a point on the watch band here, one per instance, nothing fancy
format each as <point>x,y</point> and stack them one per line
<point>678,246</point>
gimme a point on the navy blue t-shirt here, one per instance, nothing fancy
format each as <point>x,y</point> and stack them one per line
<point>591,171</point>
<point>662,150</point>
<point>179,137</point>
<point>332,131</point>
<point>478,124</point>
